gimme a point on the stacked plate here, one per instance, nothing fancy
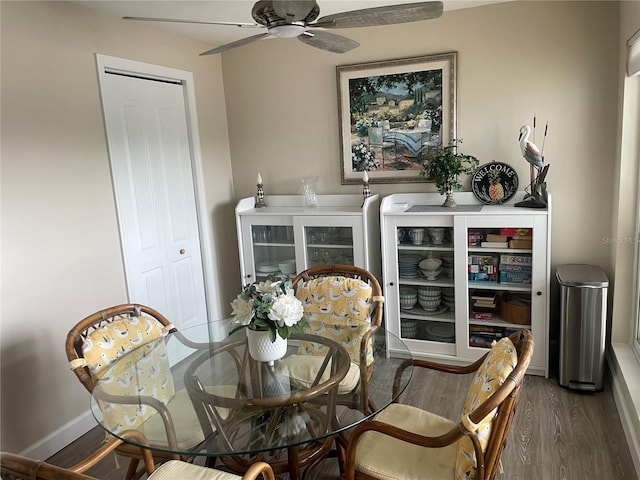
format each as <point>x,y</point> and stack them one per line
<point>440,332</point>
<point>408,265</point>
<point>430,298</point>
<point>268,267</point>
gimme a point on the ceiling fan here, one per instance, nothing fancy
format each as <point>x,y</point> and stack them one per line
<point>299,19</point>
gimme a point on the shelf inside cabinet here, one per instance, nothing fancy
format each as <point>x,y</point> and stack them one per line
<point>273,244</point>
<point>498,250</point>
<point>330,245</point>
<point>441,281</point>
<point>515,287</point>
<point>445,247</point>
<point>496,321</point>
<point>420,314</point>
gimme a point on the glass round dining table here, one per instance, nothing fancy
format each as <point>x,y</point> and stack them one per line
<point>198,392</point>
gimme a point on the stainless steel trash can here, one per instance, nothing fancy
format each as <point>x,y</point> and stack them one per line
<point>583,311</point>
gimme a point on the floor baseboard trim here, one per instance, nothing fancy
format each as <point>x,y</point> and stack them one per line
<point>623,396</point>
<point>60,438</point>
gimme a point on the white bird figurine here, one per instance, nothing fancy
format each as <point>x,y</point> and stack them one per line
<point>530,151</point>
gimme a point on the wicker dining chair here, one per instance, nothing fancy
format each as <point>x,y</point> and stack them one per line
<point>97,341</point>
<point>407,443</point>
<point>345,304</point>
<point>17,467</point>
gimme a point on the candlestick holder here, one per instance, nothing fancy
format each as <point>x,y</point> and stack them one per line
<point>366,191</point>
<point>260,197</point>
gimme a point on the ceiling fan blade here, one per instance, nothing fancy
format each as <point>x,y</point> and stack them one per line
<point>328,41</point>
<point>237,43</point>
<point>294,10</point>
<point>175,20</point>
<point>386,15</point>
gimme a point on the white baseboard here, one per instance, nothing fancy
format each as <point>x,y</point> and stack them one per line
<point>625,375</point>
<point>63,436</point>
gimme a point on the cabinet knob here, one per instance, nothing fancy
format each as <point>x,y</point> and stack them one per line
<point>391,284</point>
<point>182,251</point>
<point>539,294</point>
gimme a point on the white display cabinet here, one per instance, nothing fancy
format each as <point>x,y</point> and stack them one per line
<point>285,237</point>
<point>468,293</point>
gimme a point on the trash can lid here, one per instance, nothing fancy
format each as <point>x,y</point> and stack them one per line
<point>580,275</point>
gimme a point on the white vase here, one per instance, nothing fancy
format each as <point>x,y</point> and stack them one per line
<point>262,349</point>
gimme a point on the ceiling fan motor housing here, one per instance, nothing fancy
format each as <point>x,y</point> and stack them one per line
<point>264,13</point>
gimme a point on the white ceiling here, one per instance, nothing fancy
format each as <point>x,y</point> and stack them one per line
<point>229,11</point>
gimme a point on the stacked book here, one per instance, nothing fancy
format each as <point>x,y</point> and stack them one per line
<point>518,237</point>
<point>506,238</point>
<point>484,335</point>
<point>493,240</point>
<point>483,304</point>
<point>515,268</point>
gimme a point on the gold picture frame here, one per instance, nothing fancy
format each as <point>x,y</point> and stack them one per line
<point>393,114</point>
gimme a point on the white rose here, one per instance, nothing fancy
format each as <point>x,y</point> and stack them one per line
<point>242,310</point>
<point>286,310</point>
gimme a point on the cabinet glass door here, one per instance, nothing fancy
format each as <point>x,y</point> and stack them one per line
<point>327,245</point>
<point>426,283</point>
<point>330,240</point>
<point>270,251</point>
<point>505,285</point>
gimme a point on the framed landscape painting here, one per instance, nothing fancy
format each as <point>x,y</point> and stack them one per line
<point>393,115</point>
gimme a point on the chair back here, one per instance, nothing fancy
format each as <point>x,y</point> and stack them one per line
<point>17,467</point>
<point>94,345</point>
<point>340,302</point>
<point>490,405</point>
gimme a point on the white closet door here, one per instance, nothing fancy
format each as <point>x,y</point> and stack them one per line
<point>154,187</point>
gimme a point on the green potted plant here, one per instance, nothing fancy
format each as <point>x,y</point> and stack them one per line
<point>444,168</point>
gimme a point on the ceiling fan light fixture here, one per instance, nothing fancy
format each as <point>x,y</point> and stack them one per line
<point>289,30</point>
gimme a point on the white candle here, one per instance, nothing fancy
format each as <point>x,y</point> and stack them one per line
<point>365,177</point>
<point>259,179</point>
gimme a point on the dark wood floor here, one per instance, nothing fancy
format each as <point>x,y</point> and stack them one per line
<point>557,434</point>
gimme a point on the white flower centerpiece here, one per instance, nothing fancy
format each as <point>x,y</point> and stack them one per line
<point>271,312</point>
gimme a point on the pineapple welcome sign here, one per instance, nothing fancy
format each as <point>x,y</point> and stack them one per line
<point>494,183</point>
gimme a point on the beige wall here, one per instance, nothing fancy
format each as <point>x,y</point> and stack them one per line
<point>60,247</point>
<point>558,60</point>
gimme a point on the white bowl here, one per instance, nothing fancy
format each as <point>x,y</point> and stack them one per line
<point>429,304</point>
<point>408,291</point>
<point>431,274</point>
<point>430,296</point>
<point>430,264</point>
<point>408,303</point>
<point>429,291</point>
<point>288,266</point>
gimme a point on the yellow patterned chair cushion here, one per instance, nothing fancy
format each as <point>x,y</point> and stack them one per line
<point>145,371</point>
<point>105,345</point>
<point>500,362</point>
<point>337,308</point>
